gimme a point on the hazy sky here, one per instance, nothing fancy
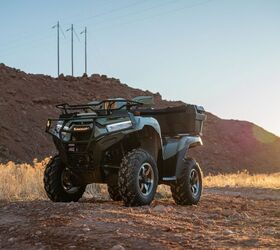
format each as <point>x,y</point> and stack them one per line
<point>222,54</point>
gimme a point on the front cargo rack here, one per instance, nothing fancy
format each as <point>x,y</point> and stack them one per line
<point>106,106</point>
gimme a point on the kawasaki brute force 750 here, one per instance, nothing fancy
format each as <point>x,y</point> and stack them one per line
<point>129,146</point>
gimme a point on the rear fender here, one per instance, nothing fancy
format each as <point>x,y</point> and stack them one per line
<point>175,146</point>
<point>174,154</point>
<point>187,143</point>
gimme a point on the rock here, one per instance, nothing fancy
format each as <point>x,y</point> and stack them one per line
<point>86,229</point>
<point>160,208</point>
<point>17,139</point>
<point>159,195</point>
<point>226,212</point>
<point>61,76</point>
<point>118,247</point>
<point>11,92</point>
<point>41,100</point>
<point>210,222</point>
<point>227,231</point>
<point>95,76</point>
<point>251,242</point>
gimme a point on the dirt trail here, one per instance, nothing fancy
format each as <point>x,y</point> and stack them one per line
<point>219,221</point>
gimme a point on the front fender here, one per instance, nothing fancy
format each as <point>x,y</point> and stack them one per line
<point>141,122</point>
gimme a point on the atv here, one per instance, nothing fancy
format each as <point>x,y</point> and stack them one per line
<point>128,145</point>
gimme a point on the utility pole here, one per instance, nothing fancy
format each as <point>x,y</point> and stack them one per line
<point>85,32</point>
<point>57,27</point>
<point>72,59</point>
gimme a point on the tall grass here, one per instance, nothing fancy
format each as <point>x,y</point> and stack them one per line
<point>25,181</point>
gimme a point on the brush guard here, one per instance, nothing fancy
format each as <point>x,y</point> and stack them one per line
<point>73,138</point>
<point>73,132</point>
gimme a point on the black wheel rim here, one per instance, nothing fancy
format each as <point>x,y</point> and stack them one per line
<point>66,182</point>
<point>146,179</point>
<point>195,182</point>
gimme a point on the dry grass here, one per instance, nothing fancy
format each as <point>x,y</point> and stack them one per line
<point>243,179</point>
<point>24,182</point>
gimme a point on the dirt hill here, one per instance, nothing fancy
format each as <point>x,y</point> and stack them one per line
<point>27,100</point>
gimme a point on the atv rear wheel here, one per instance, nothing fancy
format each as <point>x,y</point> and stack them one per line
<point>188,187</point>
<point>114,192</point>
<point>58,184</point>
<point>138,178</point>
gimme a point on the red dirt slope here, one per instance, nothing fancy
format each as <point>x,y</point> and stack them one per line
<point>27,100</point>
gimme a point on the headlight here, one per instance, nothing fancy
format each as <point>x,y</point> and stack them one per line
<point>48,124</point>
<point>118,126</point>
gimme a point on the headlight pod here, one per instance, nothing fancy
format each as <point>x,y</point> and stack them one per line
<point>118,126</point>
<point>64,135</point>
<point>59,125</point>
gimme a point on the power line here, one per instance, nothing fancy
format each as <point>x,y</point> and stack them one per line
<point>157,6</point>
<point>62,32</point>
<point>111,11</point>
<point>76,35</point>
<point>154,16</point>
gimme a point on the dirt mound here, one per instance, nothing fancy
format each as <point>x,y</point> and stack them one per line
<point>27,100</point>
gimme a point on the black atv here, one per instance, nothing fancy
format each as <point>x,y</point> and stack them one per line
<point>129,146</point>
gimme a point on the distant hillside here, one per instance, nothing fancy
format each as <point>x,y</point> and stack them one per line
<point>27,100</point>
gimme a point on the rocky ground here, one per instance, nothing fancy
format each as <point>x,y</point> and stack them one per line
<point>225,218</point>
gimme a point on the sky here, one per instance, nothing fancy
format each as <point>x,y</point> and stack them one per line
<point>222,54</point>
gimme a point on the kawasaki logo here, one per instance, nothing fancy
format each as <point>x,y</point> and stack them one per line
<point>81,129</point>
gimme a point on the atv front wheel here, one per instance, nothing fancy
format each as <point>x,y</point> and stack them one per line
<point>138,178</point>
<point>58,184</point>
<point>188,187</point>
<point>114,192</point>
